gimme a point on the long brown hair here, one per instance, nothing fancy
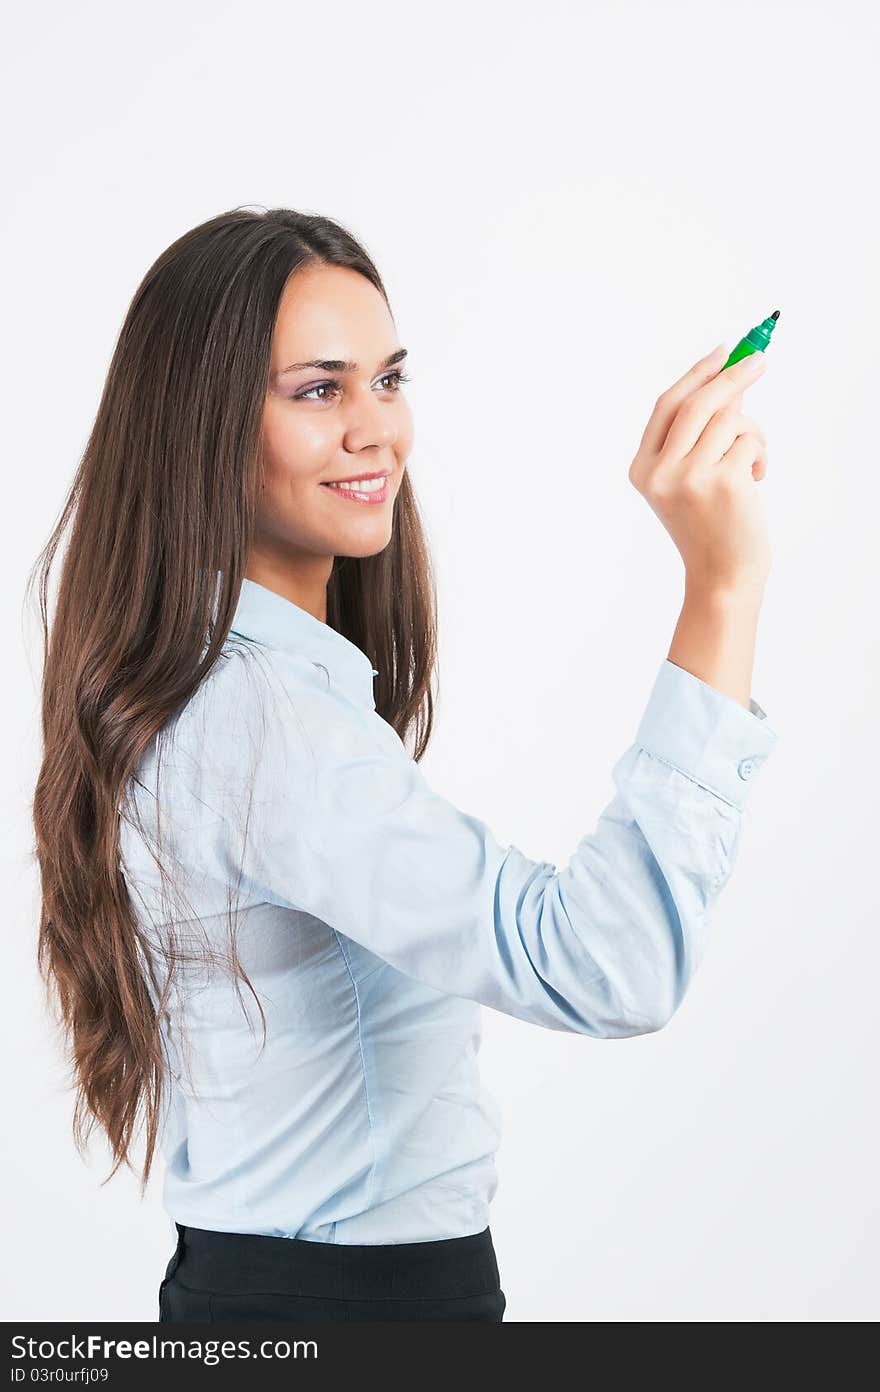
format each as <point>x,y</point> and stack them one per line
<point>162,500</point>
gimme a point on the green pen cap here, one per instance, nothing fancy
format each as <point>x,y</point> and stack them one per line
<point>755,341</point>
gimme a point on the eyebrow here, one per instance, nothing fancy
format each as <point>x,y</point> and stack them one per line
<point>338,365</point>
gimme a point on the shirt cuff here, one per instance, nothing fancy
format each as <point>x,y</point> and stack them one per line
<point>705,734</point>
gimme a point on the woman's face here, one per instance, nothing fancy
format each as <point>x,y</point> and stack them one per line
<point>323,424</point>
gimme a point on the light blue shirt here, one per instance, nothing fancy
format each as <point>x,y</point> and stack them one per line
<point>376,917</point>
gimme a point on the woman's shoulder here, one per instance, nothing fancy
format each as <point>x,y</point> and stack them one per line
<point>260,700</point>
<point>261,718</point>
<point>232,731</point>
<point>246,676</point>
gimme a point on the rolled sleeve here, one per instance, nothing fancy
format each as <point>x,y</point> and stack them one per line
<point>705,734</point>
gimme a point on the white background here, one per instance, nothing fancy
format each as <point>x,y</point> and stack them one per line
<point>569,203</point>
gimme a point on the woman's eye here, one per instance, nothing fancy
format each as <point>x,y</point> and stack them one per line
<point>321,386</point>
<point>397,375</point>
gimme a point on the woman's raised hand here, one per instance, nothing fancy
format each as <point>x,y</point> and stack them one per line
<point>697,465</point>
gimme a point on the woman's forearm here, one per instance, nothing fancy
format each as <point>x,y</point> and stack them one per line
<point>714,639</point>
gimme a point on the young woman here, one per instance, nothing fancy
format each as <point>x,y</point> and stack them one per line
<point>243,638</point>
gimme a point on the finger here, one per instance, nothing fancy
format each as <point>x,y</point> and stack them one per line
<point>759,470</point>
<point>747,422</point>
<point>720,434</point>
<point>750,424</point>
<point>697,409</point>
<point>746,451</point>
<point>669,401</point>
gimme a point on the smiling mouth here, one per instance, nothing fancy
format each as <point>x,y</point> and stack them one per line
<point>366,491</point>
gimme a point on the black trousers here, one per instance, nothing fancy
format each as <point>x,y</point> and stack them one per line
<point>216,1276</point>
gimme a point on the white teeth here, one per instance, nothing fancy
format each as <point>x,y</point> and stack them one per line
<point>361,486</point>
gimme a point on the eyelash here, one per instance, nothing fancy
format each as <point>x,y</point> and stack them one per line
<point>399,375</point>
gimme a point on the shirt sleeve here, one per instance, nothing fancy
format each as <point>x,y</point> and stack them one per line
<point>344,825</point>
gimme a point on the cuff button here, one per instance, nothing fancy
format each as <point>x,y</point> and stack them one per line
<point>746,768</point>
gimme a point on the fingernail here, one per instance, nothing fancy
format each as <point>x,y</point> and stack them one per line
<point>757,359</point>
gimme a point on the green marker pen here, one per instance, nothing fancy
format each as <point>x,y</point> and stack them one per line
<point>755,341</point>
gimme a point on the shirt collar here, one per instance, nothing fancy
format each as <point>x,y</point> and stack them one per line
<point>269,618</point>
